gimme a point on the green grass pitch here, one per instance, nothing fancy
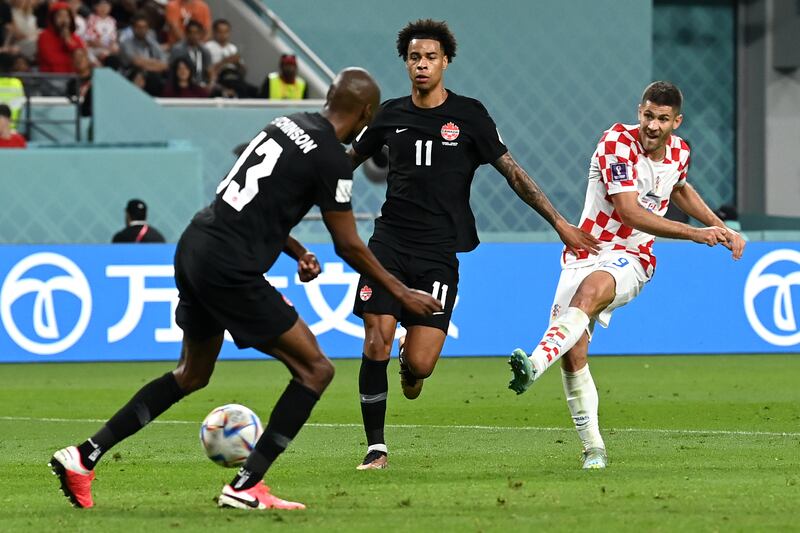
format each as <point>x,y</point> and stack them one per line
<point>696,443</point>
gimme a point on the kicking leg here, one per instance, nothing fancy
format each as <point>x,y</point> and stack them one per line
<point>373,386</point>
<point>311,373</point>
<point>419,352</point>
<point>74,465</point>
<point>595,293</point>
<point>583,401</point>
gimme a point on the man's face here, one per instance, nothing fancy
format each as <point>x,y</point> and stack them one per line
<point>222,32</point>
<point>140,28</point>
<point>194,35</point>
<point>426,63</point>
<point>62,19</point>
<point>288,70</point>
<point>656,124</point>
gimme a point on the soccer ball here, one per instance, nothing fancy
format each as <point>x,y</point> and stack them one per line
<point>229,433</point>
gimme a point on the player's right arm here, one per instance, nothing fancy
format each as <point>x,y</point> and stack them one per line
<point>632,214</point>
<point>351,248</point>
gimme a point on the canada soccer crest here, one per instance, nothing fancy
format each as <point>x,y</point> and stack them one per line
<point>450,132</point>
<point>365,293</point>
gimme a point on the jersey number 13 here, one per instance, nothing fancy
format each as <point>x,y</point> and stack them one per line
<point>238,197</point>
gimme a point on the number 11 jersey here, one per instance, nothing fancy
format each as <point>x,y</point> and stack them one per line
<point>433,155</point>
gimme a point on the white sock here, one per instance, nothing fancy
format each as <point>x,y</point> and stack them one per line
<point>564,332</point>
<point>379,447</point>
<point>583,403</point>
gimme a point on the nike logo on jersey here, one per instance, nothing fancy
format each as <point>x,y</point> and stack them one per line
<point>400,130</point>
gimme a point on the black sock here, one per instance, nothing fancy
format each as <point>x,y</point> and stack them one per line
<point>288,416</point>
<point>151,400</point>
<point>373,387</point>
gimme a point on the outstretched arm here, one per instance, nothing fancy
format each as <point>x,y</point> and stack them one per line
<point>691,203</point>
<point>531,194</point>
<point>632,214</point>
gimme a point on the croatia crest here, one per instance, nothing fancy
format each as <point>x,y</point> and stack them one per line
<point>365,294</point>
<point>450,132</point>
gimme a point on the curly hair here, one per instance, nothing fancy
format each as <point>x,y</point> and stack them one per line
<point>427,29</point>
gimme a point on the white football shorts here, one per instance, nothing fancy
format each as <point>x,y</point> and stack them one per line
<point>629,275</point>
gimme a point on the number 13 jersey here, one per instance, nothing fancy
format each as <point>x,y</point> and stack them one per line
<point>295,162</point>
<point>433,155</point>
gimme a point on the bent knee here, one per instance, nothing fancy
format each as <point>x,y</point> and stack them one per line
<point>421,369</point>
<point>317,374</point>
<point>191,382</point>
<point>376,346</point>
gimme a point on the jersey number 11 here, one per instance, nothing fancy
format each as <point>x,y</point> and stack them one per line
<point>428,150</point>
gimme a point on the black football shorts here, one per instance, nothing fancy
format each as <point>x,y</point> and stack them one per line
<point>213,298</point>
<point>438,278</point>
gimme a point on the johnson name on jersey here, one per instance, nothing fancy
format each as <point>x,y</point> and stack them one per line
<point>618,165</point>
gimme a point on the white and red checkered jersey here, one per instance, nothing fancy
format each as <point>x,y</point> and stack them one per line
<point>618,165</point>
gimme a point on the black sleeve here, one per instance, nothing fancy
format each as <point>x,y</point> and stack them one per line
<point>335,180</point>
<point>487,139</point>
<point>372,139</point>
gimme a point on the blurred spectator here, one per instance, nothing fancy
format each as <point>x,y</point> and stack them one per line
<point>8,137</point>
<point>123,12</point>
<point>58,41</point>
<point>193,49</point>
<point>223,51</point>
<point>12,91</point>
<point>101,31</point>
<point>79,14</point>
<point>141,50</point>
<point>285,84</point>
<point>181,82</point>
<point>81,89</point>
<point>179,13</point>
<point>26,29</point>
<point>231,84</point>
<point>6,29</point>
<point>138,77</point>
<point>136,227</point>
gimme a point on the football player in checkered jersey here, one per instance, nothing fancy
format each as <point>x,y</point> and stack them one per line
<point>636,171</point>
<point>436,140</point>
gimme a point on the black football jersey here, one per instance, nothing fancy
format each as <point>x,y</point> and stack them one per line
<point>295,162</point>
<point>433,155</point>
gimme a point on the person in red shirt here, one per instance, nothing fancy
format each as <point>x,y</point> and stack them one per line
<point>8,137</point>
<point>178,14</point>
<point>58,41</point>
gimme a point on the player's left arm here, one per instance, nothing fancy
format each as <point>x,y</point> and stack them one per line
<point>307,265</point>
<point>691,203</point>
<point>573,237</point>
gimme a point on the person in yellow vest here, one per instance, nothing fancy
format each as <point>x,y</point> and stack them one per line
<point>284,84</point>
<point>12,92</point>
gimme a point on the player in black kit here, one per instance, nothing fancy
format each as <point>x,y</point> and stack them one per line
<point>294,163</point>
<point>436,140</point>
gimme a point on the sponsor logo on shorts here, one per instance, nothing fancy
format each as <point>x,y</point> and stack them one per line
<point>450,132</point>
<point>365,293</point>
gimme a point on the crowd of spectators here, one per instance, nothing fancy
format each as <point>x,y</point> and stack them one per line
<point>169,48</point>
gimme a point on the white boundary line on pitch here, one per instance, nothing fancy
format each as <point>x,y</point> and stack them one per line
<point>435,426</point>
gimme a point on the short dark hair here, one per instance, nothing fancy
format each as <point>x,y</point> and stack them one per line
<point>136,209</point>
<point>427,29</point>
<point>664,93</point>
<point>5,111</point>
<point>194,24</point>
<point>219,22</point>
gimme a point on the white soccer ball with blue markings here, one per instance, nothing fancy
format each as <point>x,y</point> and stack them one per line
<point>229,433</point>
